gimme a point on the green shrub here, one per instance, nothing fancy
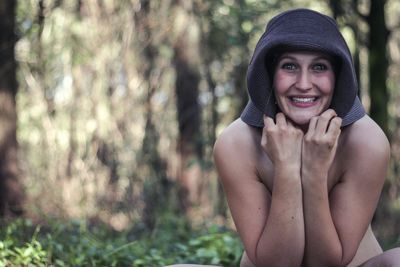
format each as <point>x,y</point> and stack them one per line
<point>77,244</point>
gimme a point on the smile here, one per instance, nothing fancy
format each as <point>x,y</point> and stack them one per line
<point>303,99</point>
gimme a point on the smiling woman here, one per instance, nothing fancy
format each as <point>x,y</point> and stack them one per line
<point>304,166</point>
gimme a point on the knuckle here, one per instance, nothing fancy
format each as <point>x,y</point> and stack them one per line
<point>329,141</point>
<point>268,121</point>
<point>292,129</point>
<point>308,139</point>
<point>330,144</point>
<point>313,119</point>
<point>330,112</point>
<point>326,141</point>
<point>270,130</point>
<point>317,141</point>
<point>279,114</point>
<point>263,142</point>
<point>296,131</point>
<point>282,127</point>
<point>324,117</point>
<point>338,121</point>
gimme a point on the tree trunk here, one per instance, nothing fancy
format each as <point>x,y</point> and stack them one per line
<point>11,193</point>
<point>188,111</point>
<point>349,11</point>
<point>378,64</point>
<point>153,167</point>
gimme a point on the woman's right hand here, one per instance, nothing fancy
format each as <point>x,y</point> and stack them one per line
<point>282,142</point>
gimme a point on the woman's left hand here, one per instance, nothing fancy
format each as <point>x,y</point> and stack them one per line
<point>319,144</point>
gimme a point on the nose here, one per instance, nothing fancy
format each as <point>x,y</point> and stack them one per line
<point>303,81</point>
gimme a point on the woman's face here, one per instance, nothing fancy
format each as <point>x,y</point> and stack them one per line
<point>303,84</point>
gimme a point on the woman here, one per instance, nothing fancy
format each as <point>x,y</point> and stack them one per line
<point>303,168</point>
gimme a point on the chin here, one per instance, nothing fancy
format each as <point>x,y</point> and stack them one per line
<point>300,121</point>
<point>302,118</point>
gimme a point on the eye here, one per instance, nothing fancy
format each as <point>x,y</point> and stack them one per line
<point>320,67</point>
<point>289,66</point>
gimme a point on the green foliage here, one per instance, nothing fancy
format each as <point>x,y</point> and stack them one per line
<point>16,251</point>
<point>77,244</point>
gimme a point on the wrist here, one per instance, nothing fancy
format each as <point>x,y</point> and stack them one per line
<point>314,180</point>
<point>289,170</point>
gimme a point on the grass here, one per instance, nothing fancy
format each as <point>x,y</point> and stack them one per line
<point>76,243</point>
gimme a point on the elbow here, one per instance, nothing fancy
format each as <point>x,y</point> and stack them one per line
<point>282,262</point>
<point>344,258</point>
<point>333,259</point>
<point>278,258</point>
<point>277,263</point>
<point>329,257</point>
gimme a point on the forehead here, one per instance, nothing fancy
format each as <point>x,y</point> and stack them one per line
<point>306,55</point>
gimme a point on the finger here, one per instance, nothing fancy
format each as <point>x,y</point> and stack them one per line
<point>268,122</point>
<point>329,112</point>
<point>323,121</point>
<point>334,126</point>
<point>312,125</point>
<point>280,119</point>
<point>268,125</point>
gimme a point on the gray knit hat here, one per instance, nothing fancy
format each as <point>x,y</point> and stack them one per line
<point>301,29</point>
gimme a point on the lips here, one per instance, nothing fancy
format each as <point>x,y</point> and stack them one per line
<point>303,101</point>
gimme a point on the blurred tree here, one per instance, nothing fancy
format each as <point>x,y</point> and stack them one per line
<point>11,192</point>
<point>375,38</point>
<point>211,46</point>
<point>378,64</point>
<point>221,32</point>
<point>156,189</point>
<point>188,108</point>
<point>227,28</point>
<point>347,11</point>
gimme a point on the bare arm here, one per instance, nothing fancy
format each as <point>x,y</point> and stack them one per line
<point>271,225</point>
<point>335,223</point>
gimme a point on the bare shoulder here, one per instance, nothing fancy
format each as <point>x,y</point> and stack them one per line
<point>237,147</point>
<point>365,136</point>
<point>237,138</point>
<point>364,146</point>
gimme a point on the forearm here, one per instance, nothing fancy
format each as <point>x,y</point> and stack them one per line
<point>282,241</point>
<point>323,246</point>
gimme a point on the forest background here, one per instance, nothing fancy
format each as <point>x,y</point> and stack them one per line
<point>109,111</point>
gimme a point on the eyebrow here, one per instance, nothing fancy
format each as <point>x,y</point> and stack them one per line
<point>320,57</point>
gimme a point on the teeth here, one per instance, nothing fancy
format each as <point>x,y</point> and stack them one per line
<point>303,99</point>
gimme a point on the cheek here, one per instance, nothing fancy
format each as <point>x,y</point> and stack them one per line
<point>281,82</point>
<point>327,85</point>
<point>332,81</point>
<point>330,87</point>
